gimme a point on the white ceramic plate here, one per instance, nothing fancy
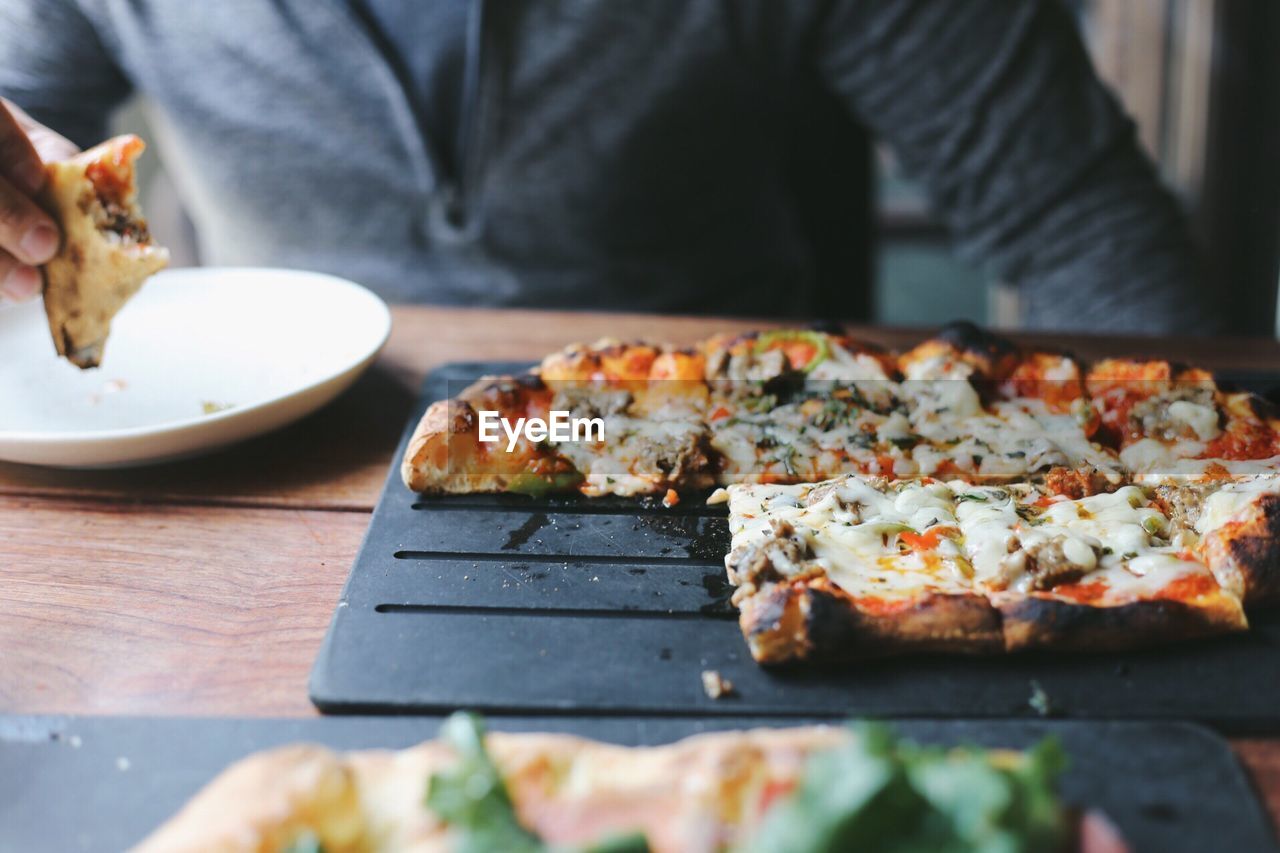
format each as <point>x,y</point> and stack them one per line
<point>198,359</point>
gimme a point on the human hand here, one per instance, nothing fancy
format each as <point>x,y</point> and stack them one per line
<point>28,236</point>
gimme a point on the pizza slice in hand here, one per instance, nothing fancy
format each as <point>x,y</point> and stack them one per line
<point>107,251</point>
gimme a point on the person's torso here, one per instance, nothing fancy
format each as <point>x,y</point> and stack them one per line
<point>643,156</point>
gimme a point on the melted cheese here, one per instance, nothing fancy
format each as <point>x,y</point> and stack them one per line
<point>853,532</point>
<point>1150,456</point>
<point>785,443</point>
<point>842,365</point>
<point>1232,501</point>
<point>626,462</point>
<point>947,397</point>
<point>1200,419</point>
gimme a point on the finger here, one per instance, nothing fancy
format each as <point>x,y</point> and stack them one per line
<point>50,145</point>
<point>1099,835</point>
<point>26,231</point>
<point>18,282</point>
<point>19,161</point>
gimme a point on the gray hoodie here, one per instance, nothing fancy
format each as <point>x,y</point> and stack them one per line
<point>666,155</point>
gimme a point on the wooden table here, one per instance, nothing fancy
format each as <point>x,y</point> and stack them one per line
<point>205,587</point>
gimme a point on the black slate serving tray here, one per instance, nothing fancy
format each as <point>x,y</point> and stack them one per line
<point>514,605</point>
<point>102,783</point>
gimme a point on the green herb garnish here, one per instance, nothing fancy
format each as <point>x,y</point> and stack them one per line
<point>1040,701</point>
<point>474,801</point>
<point>787,456</point>
<point>779,340</point>
<point>538,485</point>
<point>878,793</point>
<point>906,442</point>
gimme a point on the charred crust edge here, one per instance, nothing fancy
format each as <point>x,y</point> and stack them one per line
<point>1043,623</point>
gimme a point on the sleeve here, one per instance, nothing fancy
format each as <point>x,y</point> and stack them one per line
<point>54,65</point>
<point>994,106</point>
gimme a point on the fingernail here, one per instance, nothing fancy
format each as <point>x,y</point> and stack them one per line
<point>22,283</point>
<point>39,244</point>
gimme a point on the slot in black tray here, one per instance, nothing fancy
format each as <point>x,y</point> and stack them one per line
<point>514,605</point>
<point>102,783</point>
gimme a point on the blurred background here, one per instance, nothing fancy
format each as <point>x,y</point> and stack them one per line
<point>1201,79</point>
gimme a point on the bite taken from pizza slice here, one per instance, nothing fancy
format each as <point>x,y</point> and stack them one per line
<point>106,252</point>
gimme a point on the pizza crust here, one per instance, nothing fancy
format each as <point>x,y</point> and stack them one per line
<point>818,622</point>
<point>96,270</point>
<point>1244,553</point>
<point>445,454</point>
<point>1034,622</point>
<point>568,790</point>
<point>262,803</point>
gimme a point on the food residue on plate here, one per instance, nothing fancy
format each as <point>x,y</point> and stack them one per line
<point>111,386</point>
<point>211,408</point>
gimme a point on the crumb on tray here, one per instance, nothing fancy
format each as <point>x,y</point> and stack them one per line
<point>715,685</point>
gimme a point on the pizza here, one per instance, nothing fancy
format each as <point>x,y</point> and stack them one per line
<point>810,790</point>
<point>106,253</point>
<point>1167,420</point>
<point>799,406</point>
<point>964,496</point>
<point>859,567</point>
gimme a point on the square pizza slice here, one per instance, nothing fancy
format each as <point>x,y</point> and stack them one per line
<point>650,401</point>
<point>853,568</point>
<point>1103,572</point>
<point>1174,423</point>
<point>447,454</point>
<point>1238,524</point>
<point>644,404</point>
<point>861,566</point>
<point>985,410</point>
<point>793,406</point>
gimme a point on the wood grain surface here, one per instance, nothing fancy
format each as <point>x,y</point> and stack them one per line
<point>205,587</point>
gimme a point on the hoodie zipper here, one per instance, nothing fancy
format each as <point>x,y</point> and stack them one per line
<point>458,208</point>
<point>448,191</point>
<point>405,116</point>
